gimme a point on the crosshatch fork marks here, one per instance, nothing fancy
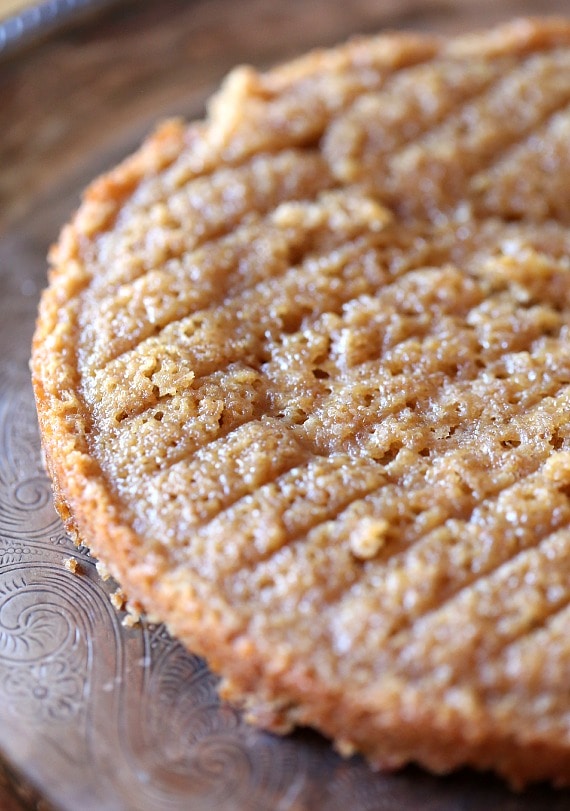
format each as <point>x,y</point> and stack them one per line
<point>354,435</point>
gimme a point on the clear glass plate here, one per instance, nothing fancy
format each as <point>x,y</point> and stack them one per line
<point>93,714</point>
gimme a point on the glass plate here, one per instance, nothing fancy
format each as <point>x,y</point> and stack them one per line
<point>94,714</point>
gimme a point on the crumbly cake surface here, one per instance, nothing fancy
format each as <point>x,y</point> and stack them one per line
<point>303,381</point>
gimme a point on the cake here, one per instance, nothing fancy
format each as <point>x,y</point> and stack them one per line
<point>302,374</point>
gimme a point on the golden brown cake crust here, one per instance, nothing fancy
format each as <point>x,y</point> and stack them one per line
<point>302,376</point>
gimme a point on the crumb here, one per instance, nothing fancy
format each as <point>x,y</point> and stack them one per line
<point>102,570</point>
<point>344,747</point>
<point>121,603</point>
<point>72,565</point>
<point>131,620</point>
<point>368,538</point>
<point>118,600</point>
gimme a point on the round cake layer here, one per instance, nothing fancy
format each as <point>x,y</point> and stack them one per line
<point>303,380</point>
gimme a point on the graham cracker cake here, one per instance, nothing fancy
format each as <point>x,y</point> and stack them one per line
<point>302,373</point>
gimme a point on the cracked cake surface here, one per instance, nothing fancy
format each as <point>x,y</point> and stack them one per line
<point>302,374</point>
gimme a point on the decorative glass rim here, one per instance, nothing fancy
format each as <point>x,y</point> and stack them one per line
<point>39,19</point>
